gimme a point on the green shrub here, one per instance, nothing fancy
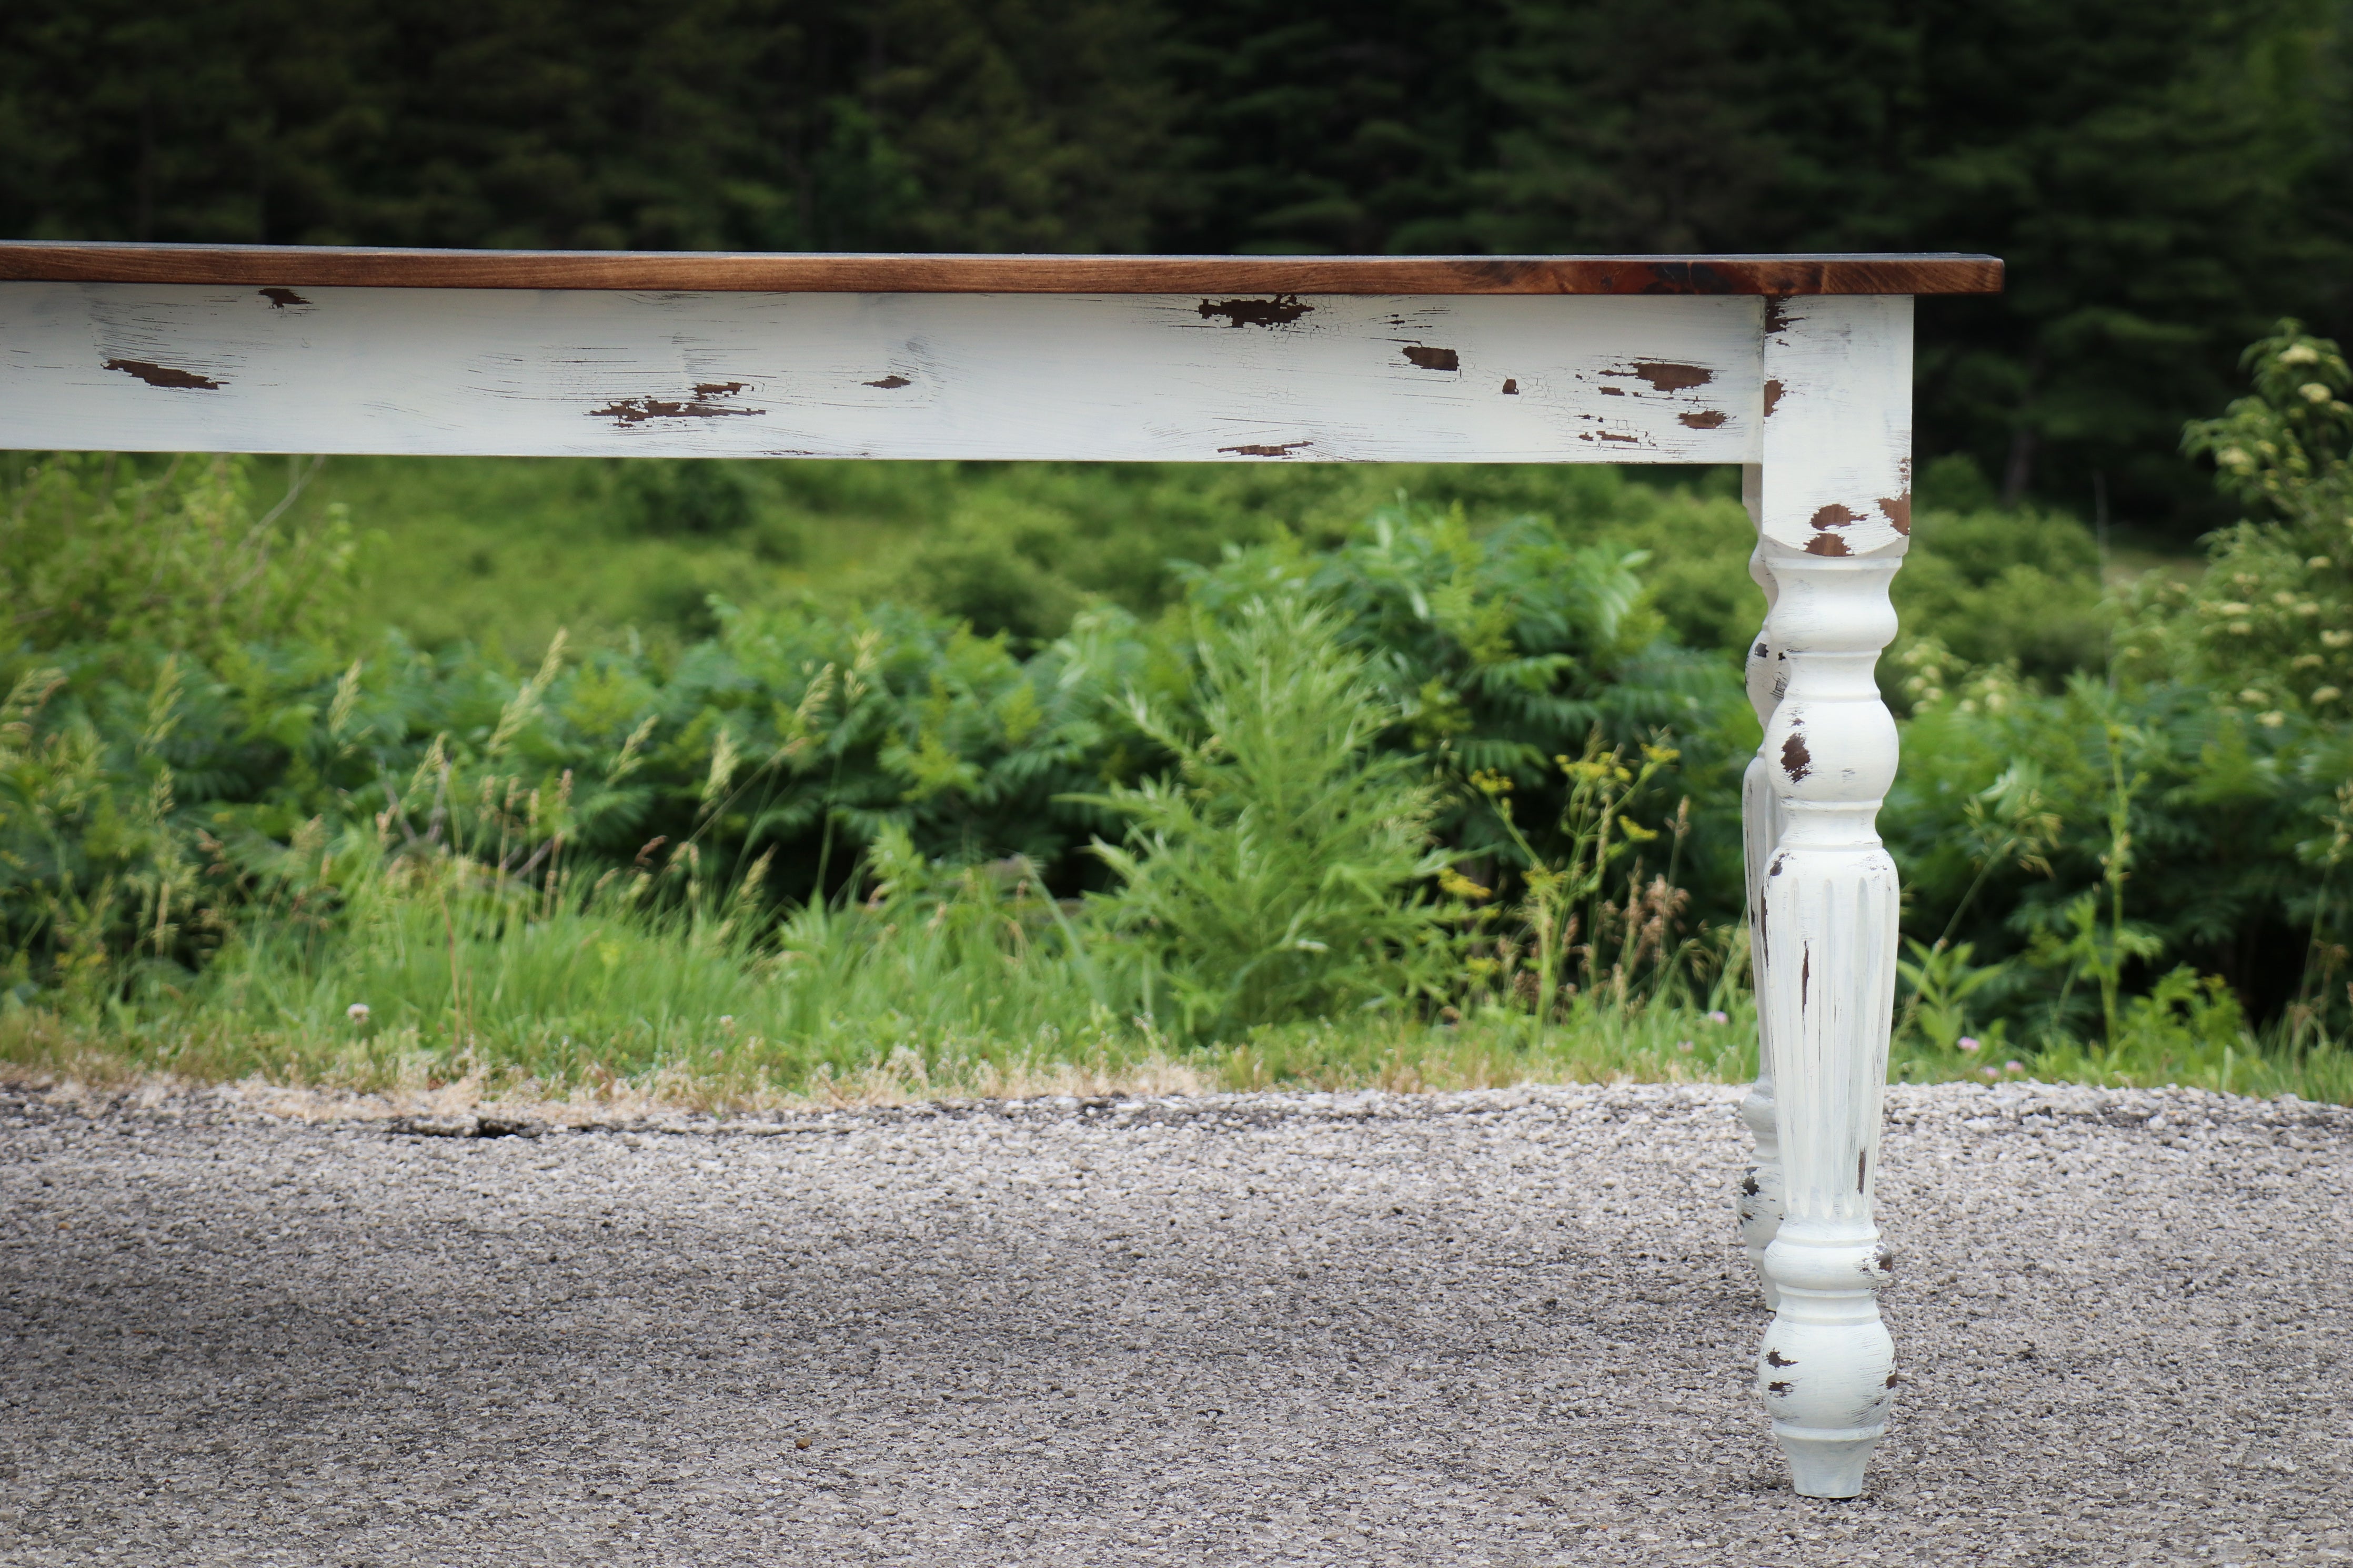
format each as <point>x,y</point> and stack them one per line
<point>2019,587</point>
<point>172,650</point>
<point>2224,716</point>
<point>192,556</point>
<point>1499,651</point>
<point>1277,872</point>
<point>665,496</point>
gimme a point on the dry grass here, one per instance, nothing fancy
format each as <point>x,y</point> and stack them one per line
<point>45,1051</point>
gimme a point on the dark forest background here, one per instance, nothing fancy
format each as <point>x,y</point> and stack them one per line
<point>2165,177</point>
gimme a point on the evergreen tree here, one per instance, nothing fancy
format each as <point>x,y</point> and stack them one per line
<point>943,125</point>
<point>2148,168</point>
<point>1327,127</point>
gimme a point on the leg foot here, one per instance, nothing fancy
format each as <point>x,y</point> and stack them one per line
<point>1827,1368</point>
<point>1827,1467</point>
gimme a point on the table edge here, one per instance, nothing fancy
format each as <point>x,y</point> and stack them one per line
<point>839,273</point>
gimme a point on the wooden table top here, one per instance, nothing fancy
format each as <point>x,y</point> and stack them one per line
<point>789,272</point>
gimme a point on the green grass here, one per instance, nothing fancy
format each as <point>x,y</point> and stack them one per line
<point>971,985</point>
<point>978,990</point>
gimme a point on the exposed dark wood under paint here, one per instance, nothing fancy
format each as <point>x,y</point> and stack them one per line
<point>285,266</point>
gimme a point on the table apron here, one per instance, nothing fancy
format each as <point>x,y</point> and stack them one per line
<point>550,372</point>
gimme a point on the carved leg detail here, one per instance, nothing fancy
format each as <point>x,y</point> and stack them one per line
<point>1759,1201</point>
<point>1828,946</point>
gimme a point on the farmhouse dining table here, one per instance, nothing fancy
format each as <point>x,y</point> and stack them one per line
<point>1798,368</point>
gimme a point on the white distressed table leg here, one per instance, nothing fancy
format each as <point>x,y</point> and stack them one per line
<point>1836,510</point>
<point>1759,1201</point>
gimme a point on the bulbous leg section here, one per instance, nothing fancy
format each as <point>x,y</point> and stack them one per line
<point>1827,1368</point>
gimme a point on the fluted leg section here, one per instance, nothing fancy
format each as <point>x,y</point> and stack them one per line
<point>1759,1201</point>
<point>1827,946</point>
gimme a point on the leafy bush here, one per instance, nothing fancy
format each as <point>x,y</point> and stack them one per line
<point>143,556</point>
<point>1277,872</point>
<point>2018,587</point>
<point>1499,651</point>
<point>2202,783</point>
<point>170,653</point>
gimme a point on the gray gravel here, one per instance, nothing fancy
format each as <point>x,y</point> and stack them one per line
<point>1506,1327</point>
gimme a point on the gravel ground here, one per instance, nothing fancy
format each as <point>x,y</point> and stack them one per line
<point>1507,1327</point>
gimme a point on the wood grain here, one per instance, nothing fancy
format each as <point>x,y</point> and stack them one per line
<point>298,266</point>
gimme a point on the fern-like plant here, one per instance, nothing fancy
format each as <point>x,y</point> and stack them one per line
<point>1278,871</point>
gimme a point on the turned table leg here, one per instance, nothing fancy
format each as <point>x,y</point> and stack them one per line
<point>1829,931</point>
<point>1834,517</point>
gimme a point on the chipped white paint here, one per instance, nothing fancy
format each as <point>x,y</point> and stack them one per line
<point>1834,511</point>
<point>1813,394</point>
<point>1838,424</point>
<point>1527,378</point>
